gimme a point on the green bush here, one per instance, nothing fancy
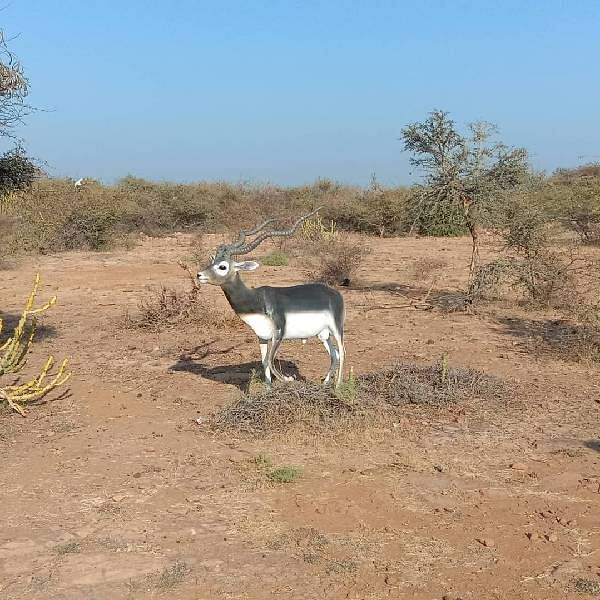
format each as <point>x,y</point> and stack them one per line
<point>17,171</point>
<point>441,218</point>
<point>275,259</point>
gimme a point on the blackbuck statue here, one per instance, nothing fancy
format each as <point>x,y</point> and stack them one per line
<point>275,314</point>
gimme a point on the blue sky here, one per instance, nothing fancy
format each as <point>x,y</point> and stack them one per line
<point>286,92</point>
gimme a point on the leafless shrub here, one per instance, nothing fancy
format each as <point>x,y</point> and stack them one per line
<point>269,410</point>
<point>488,278</point>
<point>14,87</point>
<point>337,259</point>
<point>435,384</point>
<point>545,270</point>
<point>169,307</point>
<point>586,223</point>
<point>309,406</point>
<point>427,268</point>
<point>198,252</point>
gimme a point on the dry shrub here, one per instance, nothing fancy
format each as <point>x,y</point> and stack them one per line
<point>198,252</point>
<point>313,233</point>
<point>53,215</point>
<point>561,338</point>
<point>539,263</point>
<point>168,307</point>
<point>337,259</point>
<point>436,384</point>
<point>427,268</point>
<point>587,586</point>
<point>588,170</point>
<point>7,263</point>
<point>488,280</point>
<point>375,211</point>
<point>296,404</point>
<point>377,399</point>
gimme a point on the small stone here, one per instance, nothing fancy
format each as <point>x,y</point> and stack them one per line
<point>487,542</point>
<point>137,475</point>
<point>532,536</point>
<point>518,466</point>
<point>438,468</point>
<point>551,537</point>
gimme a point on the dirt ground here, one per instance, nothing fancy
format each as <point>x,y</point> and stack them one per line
<point>114,491</point>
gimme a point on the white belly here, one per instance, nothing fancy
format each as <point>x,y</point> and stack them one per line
<point>303,325</point>
<point>299,325</point>
<point>260,324</point>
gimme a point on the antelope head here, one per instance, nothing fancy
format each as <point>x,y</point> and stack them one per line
<point>222,267</point>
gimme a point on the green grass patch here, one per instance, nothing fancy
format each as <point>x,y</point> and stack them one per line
<point>284,475</point>
<point>275,259</point>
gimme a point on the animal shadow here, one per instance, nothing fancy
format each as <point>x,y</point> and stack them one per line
<point>592,445</point>
<point>443,300</point>
<point>11,320</point>
<point>238,375</point>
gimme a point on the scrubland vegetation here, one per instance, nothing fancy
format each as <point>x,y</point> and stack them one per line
<point>542,227</point>
<point>541,230</point>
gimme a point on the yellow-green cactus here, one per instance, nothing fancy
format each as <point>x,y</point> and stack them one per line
<point>13,357</point>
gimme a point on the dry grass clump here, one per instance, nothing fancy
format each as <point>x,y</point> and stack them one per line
<point>436,384</point>
<point>489,278</point>
<point>300,404</point>
<point>162,581</point>
<point>587,586</point>
<point>375,398</point>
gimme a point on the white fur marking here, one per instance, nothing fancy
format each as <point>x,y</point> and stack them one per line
<point>260,324</point>
<point>301,325</point>
<point>219,271</point>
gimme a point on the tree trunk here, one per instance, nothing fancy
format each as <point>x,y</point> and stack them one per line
<point>474,231</point>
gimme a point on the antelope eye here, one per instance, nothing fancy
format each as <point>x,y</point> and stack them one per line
<point>222,267</point>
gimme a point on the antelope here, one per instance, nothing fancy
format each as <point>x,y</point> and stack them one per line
<point>279,313</point>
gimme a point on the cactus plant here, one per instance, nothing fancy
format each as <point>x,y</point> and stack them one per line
<point>13,357</point>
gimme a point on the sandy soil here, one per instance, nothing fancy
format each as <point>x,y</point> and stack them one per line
<point>115,492</point>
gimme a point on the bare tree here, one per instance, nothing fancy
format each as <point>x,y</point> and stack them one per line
<point>14,87</point>
<point>470,170</point>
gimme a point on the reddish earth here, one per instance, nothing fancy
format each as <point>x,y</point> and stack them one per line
<point>115,492</point>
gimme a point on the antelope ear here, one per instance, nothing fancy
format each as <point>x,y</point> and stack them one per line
<point>247,265</point>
